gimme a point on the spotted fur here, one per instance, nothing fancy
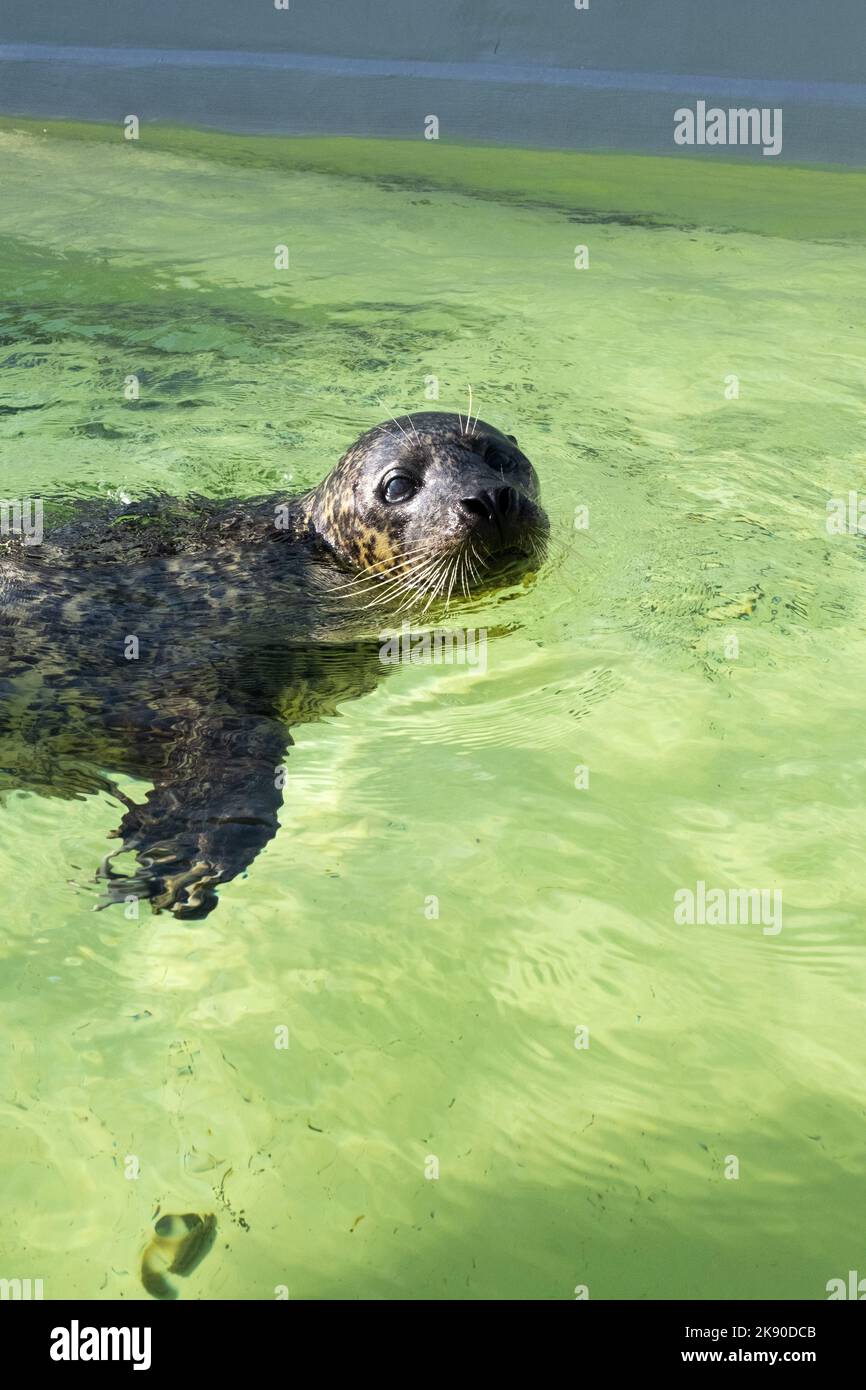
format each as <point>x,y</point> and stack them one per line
<point>248,617</point>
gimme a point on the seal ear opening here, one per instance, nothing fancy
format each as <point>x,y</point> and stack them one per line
<point>512,437</point>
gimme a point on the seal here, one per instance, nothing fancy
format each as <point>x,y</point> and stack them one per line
<point>178,641</point>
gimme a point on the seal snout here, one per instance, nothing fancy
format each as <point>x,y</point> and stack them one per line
<point>494,514</point>
<point>495,505</point>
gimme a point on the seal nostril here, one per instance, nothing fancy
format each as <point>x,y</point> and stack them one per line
<point>476,506</point>
<point>506,500</point>
<point>495,505</point>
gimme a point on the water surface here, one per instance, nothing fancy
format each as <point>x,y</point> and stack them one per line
<point>737,763</point>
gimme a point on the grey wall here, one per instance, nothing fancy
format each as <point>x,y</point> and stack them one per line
<point>535,72</point>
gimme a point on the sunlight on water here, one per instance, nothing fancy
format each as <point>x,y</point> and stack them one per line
<point>700,648</point>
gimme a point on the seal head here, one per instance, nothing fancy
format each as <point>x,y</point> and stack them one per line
<point>433,502</point>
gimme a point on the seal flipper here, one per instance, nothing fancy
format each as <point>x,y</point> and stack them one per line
<point>213,806</point>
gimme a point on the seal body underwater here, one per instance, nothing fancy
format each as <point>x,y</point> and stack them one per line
<point>178,641</point>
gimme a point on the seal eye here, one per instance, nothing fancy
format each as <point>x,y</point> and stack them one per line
<point>399,488</point>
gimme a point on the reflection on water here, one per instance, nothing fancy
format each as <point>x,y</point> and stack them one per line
<point>405,972</point>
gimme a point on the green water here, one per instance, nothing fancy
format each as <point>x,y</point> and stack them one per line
<point>738,764</point>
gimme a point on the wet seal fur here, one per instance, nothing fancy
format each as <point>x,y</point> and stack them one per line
<point>178,641</point>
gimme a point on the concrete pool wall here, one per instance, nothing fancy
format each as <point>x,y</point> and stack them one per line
<point>610,75</point>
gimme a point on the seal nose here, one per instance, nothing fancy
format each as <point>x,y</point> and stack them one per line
<point>497,506</point>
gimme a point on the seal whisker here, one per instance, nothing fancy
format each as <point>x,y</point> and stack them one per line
<point>468,576</point>
<point>440,587</point>
<point>464,568</point>
<point>430,571</point>
<point>451,578</point>
<point>441,573</point>
<point>374,577</point>
<point>443,585</point>
<point>474,423</point>
<point>473,555</point>
<point>390,434</point>
<point>401,429</point>
<point>403,582</point>
<point>369,574</point>
<point>395,586</point>
<point>412,596</point>
<point>460,573</point>
<point>417,592</point>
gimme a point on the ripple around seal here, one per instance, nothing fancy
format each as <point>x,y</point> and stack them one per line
<point>463,711</point>
<point>446,906</point>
